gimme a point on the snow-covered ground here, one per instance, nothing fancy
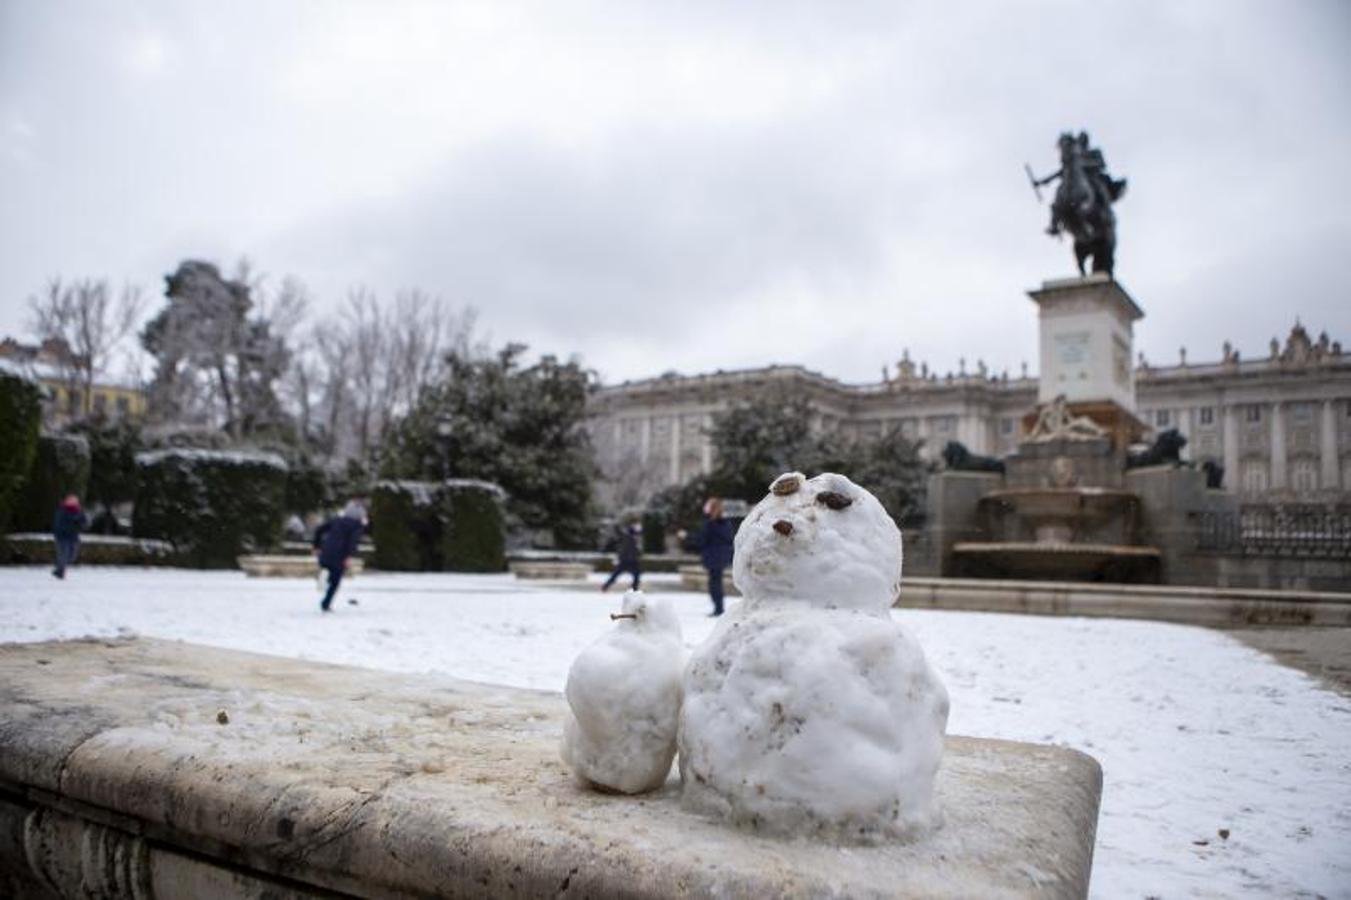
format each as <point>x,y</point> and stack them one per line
<point>1195,732</point>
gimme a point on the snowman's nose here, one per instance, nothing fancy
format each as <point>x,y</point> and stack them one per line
<point>783,527</point>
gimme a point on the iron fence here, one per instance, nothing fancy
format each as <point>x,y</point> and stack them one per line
<point>1301,530</point>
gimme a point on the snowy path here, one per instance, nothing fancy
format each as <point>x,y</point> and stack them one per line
<point>1195,732</point>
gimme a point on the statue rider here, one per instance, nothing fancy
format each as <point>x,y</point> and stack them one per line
<point>1103,189</point>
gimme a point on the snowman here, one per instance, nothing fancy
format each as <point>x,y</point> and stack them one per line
<point>809,711</point>
<point>624,698</point>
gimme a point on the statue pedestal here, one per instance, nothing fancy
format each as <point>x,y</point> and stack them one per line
<point>1086,338</point>
<point>1086,349</point>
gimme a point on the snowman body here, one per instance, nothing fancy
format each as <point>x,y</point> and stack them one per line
<point>809,711</point>
<point>623,695</point>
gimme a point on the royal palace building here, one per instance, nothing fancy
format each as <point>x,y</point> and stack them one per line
<point>1280,424</point>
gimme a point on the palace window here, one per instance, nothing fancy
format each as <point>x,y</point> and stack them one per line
<point>1253,412</point>
<point>1254,477</point>
<point>123,406</point>
<point>1207,415</point>
<point>1162,418</point>
<point>1006,426</point>
<point>1304,475</point>
<point>1301,413</point>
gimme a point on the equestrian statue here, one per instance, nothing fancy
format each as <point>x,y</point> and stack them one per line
<point>1083,201</point>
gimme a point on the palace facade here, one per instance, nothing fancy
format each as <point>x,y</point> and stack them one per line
<point>64,399</point>
<point>1280,424</point>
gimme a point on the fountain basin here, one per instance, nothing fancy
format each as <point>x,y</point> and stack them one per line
<point>1054,561</point>
<point>1064,515</point>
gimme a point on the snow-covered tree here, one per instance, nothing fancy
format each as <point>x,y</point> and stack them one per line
<point>520,426</point>
<point>756,441</point>
<point>218,355</point>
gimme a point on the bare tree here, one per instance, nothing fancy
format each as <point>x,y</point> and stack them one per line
<point>372,363</point>
<point>91,323</point>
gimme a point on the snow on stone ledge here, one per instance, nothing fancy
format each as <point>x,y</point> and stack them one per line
<point>229,457</point>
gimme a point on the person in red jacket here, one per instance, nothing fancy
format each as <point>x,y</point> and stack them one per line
<point>67,524</point>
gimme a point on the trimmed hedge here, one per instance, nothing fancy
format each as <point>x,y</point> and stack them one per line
<point>474,538</point>
<point>211,505</point>
<point>450,526</point>
<point>654,532</point>
<point>21,413</point>
<point>404,526</point>
<point>60,467</point>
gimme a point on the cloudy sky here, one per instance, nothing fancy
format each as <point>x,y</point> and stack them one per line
<point>691,185</point>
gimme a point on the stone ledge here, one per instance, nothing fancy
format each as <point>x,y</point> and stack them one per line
<point>549,570</point>
<point>260,565</point>
<point>332,778</point>
<point>1165,603</point>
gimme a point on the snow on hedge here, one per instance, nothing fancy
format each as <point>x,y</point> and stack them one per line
<point>423,493</point>
<point>226,457</point>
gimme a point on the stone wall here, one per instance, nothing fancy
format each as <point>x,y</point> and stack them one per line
<point>155,769</point>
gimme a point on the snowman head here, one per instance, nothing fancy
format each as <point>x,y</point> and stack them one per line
<point>646,615</point>
<point>824,541</point>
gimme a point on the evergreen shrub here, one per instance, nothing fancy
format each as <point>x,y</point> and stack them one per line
<point>405,526</point>
<point>474,534</point>
<point>21,413</point>
<point>654,532</point>
<point>60,467</point>
<point>450,526</point>
<point>211,505</point>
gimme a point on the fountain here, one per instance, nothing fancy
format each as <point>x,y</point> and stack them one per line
<point>1046,524</point>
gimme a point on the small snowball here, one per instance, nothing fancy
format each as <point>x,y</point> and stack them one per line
<point>624,695</point>
<point>808,710</point>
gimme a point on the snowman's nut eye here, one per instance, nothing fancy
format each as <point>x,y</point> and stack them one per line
<point>786,484</point>
<point>783,527</point>
<point>834,499</point>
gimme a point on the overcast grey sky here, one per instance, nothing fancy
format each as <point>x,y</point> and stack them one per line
<point>691,186</point>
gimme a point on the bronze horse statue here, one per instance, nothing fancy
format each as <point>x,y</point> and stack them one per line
<point>1083,202</point>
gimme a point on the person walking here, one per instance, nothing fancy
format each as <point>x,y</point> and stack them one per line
<point>335,542</point>
<point>715,549</point>
<point>630,555</point>
<point>67,524</point>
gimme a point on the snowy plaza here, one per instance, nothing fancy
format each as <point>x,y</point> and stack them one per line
<point>1196,733</point>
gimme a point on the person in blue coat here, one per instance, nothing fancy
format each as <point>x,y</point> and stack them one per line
<point>335,542</point>
<point>715,549</point>
<point>67,524</point>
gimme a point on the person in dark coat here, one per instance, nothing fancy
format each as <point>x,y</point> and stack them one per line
<point>335,542</point>
<point>67,524</point>
<point>715,549</point>
<point>630,556</point>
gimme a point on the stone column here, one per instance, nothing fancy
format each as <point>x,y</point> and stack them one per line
<point>1231,475</point>
<point>1329,464</point>
<point>647,438</point>
<point>1278,465</point>
<point>1186,425</point>
<point>677,426</point>
<point>707,447</point>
